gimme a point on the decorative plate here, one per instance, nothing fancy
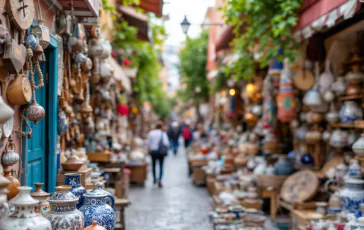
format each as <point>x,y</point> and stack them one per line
<point>8,127</point>
<point>21,13</point>
<point>300,187</point>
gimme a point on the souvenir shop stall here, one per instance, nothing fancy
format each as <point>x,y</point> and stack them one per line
<point>298,153</point>
<point>63,105</point>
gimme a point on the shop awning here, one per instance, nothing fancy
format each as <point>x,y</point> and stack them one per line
<point>154,6</point>
<point>136,19</point>
<point>226,37</point>
<point>120,75</point>
<point>82,8</point>
<point>316,15</point>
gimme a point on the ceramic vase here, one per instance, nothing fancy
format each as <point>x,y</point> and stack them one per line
<point>63,214</point>
<point>332,116</point>
<point>326,78</point>
<point>24,216</point>
<point>62,123</point>
<point>358,146</point>
<point>43,206</point>
<point>13,185</point>
<point>74,180</point>
<point>35,112</point>
<point>95,208</point>
<point>352,195</point>
<point>350,112</point>
<point>339,86</point>
<point>313,98</point>
<point>355,170</point>
<point>339,138</point>
<point>283,167</point>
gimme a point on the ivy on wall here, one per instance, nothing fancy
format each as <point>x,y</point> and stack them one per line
<point>144,56</point>
<point>261,28</point>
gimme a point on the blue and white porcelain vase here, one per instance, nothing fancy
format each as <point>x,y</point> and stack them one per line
<point>24,217</point>
<point>63,214</point>
<point>355,170</point>
<point>283,167</point>
<point>350,112</point>
<point>95,208</point>
<point>74,180</point>
<point>352,196</point>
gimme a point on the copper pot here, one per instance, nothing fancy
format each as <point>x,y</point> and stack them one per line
<point>13,185</point>
<point>19,91</point>
<point>95,226</point>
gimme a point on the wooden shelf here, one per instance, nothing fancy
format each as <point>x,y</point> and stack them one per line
<point>343,126</point>
<point>99,157</point>
<point>351,97</point>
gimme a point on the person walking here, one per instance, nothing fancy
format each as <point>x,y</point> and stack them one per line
<point>158,148</point>
<point>174,132</point>
<point>187,134</point>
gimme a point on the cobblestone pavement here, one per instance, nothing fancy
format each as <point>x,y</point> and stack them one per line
<point>179,205</point>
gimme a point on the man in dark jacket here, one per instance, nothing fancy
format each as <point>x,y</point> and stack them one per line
<point>174,131</point>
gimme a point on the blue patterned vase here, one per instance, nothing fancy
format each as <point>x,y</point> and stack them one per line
<point>352,196</point>
<point>283,167</point>
<point>74,180</point>
<point>95,208</point>
<point>63,214</point>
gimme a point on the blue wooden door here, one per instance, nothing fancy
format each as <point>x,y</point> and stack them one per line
<point>37,145</point>
<point>39,162</point>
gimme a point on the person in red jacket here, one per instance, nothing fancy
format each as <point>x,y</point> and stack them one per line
<point>187,134</point>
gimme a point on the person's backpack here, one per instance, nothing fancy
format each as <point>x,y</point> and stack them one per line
<point>186,132</point>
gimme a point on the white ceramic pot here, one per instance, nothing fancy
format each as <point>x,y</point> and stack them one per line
<point>350,112</point>
<point>339,138</point>
<point>339,86</point>
<point>257,110</point>
<point>24,217</point>
<point>326,78</point>
<point>312,97</point>
<point>358,146</point>
<point>329,96</point>
<point>355,170</point>
<point>333,116</point>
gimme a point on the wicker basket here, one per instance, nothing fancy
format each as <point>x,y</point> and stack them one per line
<point>270,180</point>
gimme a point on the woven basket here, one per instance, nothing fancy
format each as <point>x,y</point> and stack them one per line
<point>270,180</point>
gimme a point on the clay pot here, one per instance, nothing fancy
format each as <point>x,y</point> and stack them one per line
<point>72,164</point>
<point>95,226</point>
<point>13,185</point>
<point>353,89</point>
<point>317,117</point>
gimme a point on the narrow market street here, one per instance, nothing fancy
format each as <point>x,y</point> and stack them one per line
<point>178,205</point>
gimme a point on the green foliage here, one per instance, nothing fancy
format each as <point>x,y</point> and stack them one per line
<point>261,26</point>
<point>220,81</point>
<point>192,67</point>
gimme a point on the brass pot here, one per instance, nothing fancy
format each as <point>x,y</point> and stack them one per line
<point>19,91</point>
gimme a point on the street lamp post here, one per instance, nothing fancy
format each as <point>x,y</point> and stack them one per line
<point>185,24</point>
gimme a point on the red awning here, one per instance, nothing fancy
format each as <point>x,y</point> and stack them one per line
<point>154,6</point>
<point>226,37</point>
<point>314,9</point>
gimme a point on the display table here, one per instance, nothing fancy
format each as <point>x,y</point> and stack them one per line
<point>120,205</point>
<point>138,172</point>
<point>273,195</point>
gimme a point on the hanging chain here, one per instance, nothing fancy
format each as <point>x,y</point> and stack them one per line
<point>21,133</point>
<point>31,72</point>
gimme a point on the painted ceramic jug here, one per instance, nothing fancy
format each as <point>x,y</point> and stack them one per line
<point>10,157</point>
<point>283,166</point>
<point>339,138</point>
<point>352,195</point>
<point>74,180</point>
<point>110,200</point>
<point>63,214</point>
<point>62,123</point>
<point>95,208</point>
<point>43,207</point>
<point>24,216</point>
<point>350,112</point>
<point>358,146</point>
<point>286,100</point>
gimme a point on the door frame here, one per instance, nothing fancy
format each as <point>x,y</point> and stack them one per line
<point>51,123</point>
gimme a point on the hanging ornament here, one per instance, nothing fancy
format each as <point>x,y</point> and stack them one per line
<point>34,112</point>
<point>41,30</point>
<point>285,99</point>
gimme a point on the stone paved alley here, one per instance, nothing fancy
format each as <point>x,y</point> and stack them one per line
<point>178,206</point>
